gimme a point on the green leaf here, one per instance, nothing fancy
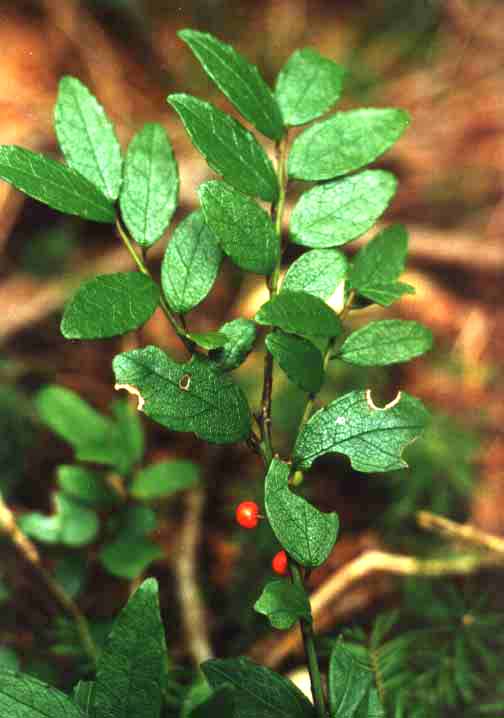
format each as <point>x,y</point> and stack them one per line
<point>72,524</point>
<point>386,294</point>
<point>308,85</point>
<point>194,396</point>
<point>229,149</point>
<point>349,684</point>
<point>389,341</point>
<point>208,340</point>
<point>299,359</point>
<point>110,305</point>
<point>71,573</point>
<point>284,604</point>
<point>300,313</point>
<point>149,194</point>
<point>373,438</point>
<point>337,212</point>
<point>86,486</point>
<point>9,660</point>
<point>243,229</point>
<point>239,80</point>
<point>87,137</point>
<point>345,142</point>
<point>83,695</point>
<point>130,670</point>
<point>22,696</point>
<point>241,335</point>
<point>307,534</point>
<point>261,693</point>
<point>191,263</point>
<point>318,272</point>
<point>129,557</point>
<point>221,703</point>
<point>131,436</point>
<point>54,184</point>
<point>164,479</point>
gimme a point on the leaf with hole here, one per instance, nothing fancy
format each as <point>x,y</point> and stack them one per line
<point>318,272</point>
<point>389,341</point>
<point>283,603</point>
<point>300,313</point>
<point>298,358</point>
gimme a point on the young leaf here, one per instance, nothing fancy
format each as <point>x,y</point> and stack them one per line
<point>261,693</point>
<point>243,228</point>
<point>72,524</point>
<point>308,85</point>
<point>87,137</point>
<point>239,80</point>
<point>129,557</point>
<point>372,437</point>
<point>190,264</point>
<point>337,212</point>
<point>110,305</point>
<point>193,397</point>
<point>151,183</point>
<point>307,534</point>
<point>22,696</point>
<point>54,184</point>
<point>349,684</point>
<point>389,341</point>
<point>227,146</point>
<point>300,313</point>
<point>130,671</point>
<point>284,604</point>
<point>86,486</point>
<point>207,340</point>
<point>164,479</point>
<point>345,142</point>
<point>299,359</point>
<point>318,272</point>
<point>241,335</point>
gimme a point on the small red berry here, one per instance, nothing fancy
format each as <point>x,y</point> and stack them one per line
<point>247,514</point>
<point>280,563</point>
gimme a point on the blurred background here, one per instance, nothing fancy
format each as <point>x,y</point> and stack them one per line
<point>443,61</point>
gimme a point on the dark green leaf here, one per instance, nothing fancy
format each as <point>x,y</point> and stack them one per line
<point>241,335</point>
<point>284,604</point>
<point>243,229</point>
<point>299,359</point>
<point>345,142</point>
<point>22,696</point>
<point>349,684</point>
<point>130,670</point>
<point>129,557</point>
<point>83,695</point>
<point>229,148</point>
<point>261,693</point>
<point>208,340</point>
<point>318,272</point>
<point>191,263</point>
<point>72,524</point>
<point>86,486</point>
<point>239,80</point>
<point>131,436</point>
<point>373,708</point>
<point>389,341</point>
<point>54,184</point>
<point>151,183</point>
<point>308,85</point>
<point>87,138</point>
<point>164,479</point>
<point>110,305</point>
<point>373,438</point>
<point>9,660</point>
<point>71,573</point>
<point>307,534</point>
<point>337,212</point>
<point>300,313</point>
<point>221,703</point>
<point>193,397</point>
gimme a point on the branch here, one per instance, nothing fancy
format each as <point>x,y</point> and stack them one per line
<point>462,532</point>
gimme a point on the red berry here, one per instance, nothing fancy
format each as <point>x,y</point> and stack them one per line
<point>280,563</point>
<point>247,514</point>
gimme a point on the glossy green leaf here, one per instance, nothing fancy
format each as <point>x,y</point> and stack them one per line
<point>129,557</point>
<point>299,359</point>
<point>193,397</point>
<point>86,486</point>
<point>229,149</point>
<point>110,305</point>
<point>87,137</point>
<point>284,604</point>
<point>191,263</point>
<point>54,184</point>
<point>208,340</point>
<point>261,693</point>
<point>300,313</point>
<point>239,80</point>
<point>308,85</point>
<point>130,670</point>
<point>22,696</point>
<point>164,479</point>
<point>131,436</point>
<point>72,524</point>
<point>345,142</point>
<point>243,228</point>
<point>336,212</point>
<point>349,684</point>
<point>389,341</point>
<point>241,335</point>
<point>149,194</point>
<point>318,272</point>
<point>373,438</point>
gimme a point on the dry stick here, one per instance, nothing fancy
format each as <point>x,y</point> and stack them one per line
<point>29,552</point>
<point>461,532</point>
